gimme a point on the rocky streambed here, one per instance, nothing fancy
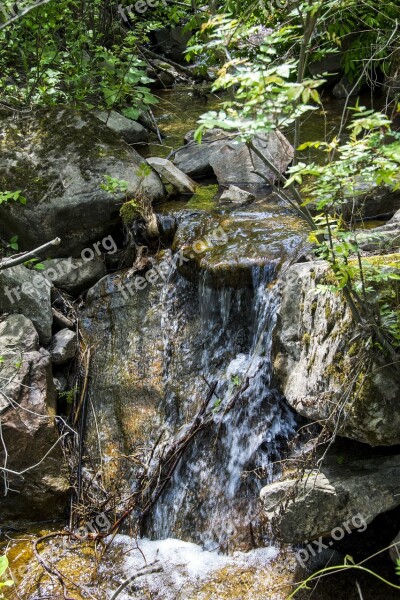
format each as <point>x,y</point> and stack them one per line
<point>156,370</point>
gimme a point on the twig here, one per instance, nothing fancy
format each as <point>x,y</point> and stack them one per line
<point>21,258</point>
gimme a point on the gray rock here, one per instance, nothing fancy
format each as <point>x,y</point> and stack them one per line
<point>385,238</point>
<point>63,346</point>
<point>317,354</point>
<point>27,292</point>
<point>131,131</point>
<point>333,497</point>
<point>234,195</point>
<point>345,88</point>
<point>59,158</point>
<point>172,41</point>
<point>167,170</point>
<point>27,409</point>
<point>74,275</point>
<point>17,333</point>
<point>373,201</point>
<point>231,161</point>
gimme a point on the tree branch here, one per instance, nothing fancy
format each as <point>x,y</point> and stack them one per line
<point>13,261</point>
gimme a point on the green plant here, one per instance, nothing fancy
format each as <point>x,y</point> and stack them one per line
<point>112,185</point>
<point>3,569</point>
<point>349,564</point>
<point>12,197</point>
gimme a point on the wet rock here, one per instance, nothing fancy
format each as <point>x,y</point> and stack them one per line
<point>164,74</point>
<point>317,356</point>
<point>74,275</point>
<point>231,161</point>
<point>167,170</point>
<point>59,157</point>
<point>227,246</point>
<point>27,410</point>
<point>27,292</point>
<point>131,131</point>
<point>333,497</point>
<point>234,195</point>
<point>63,346</point>
<point>385,238</point>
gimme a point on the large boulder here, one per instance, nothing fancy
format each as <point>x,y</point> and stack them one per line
<point>385,238</point>
<point>324,370</point>
<point>131,131</point>
<point>332,499</point>
<point>36,480</point>
<point>59,158</point>
<point>231,161</point>
<point>74,275</point>
<point>27,292</point>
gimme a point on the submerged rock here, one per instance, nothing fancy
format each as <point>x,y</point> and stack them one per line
<point>27,411</point>
<point>59,158</point>
<point>227,246</point>
<point>320,362</point>
<point>334,499</point>
<point>231,161</point>
<point>27,292</point>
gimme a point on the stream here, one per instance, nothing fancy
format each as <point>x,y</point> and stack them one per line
<point>157,352</point>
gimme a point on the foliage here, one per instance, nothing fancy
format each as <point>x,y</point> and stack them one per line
<point>370,156</point>
<point>72,52</point>
<point>3,569</point>
<point>12,197</point>
<point>113,185</point>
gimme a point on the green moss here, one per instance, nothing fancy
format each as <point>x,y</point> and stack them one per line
<point>129,212</point>
<point>306,339</point>
<point>314,306</point>
<point>203,199</point>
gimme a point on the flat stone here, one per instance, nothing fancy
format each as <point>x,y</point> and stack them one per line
<point>166,169</point>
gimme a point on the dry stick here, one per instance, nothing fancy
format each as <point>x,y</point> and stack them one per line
<point>176,66</point>
<point>21,258</point>
<point>144,571</point>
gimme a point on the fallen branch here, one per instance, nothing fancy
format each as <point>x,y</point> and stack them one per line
<point>18,259</point>
<point>144,571</point>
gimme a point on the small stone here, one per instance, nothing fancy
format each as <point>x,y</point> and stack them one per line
<point>63,346</point>
<point>235,195</point>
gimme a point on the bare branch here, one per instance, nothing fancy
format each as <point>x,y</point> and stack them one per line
<point>21,258</point>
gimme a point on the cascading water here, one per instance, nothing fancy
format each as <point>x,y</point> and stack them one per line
<point>212,497</point>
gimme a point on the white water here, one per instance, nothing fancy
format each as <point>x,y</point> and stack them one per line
<point>185,567</point>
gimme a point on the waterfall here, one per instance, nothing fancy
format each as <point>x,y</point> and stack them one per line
<point>212,497</point>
